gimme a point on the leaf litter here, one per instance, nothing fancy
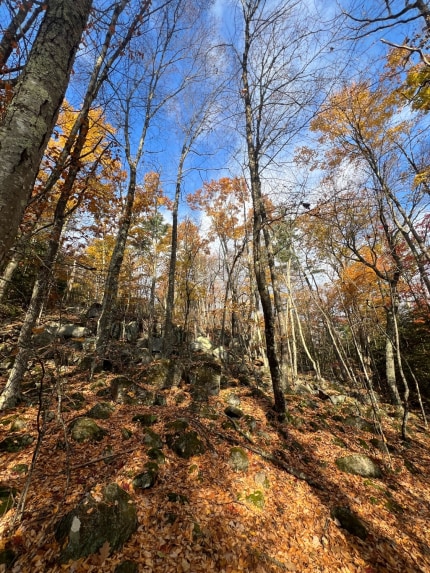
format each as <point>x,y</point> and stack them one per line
<point>215,526</point>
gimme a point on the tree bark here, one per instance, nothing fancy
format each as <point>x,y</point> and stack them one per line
<point>11,393</point>
<point>31,115</point>
<point>259,221</point>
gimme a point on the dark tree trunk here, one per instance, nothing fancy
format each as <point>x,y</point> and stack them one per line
<point>31,115</point>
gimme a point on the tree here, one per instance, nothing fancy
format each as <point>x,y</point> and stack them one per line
<point>276,100</point>
<point>141,98</point>
<point>30,116</point>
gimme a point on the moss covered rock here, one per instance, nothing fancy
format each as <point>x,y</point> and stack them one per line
<point>85,429</point>
<point>359,464</point>
<point>93,524</point>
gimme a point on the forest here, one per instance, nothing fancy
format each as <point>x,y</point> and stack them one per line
<point>214,286</point>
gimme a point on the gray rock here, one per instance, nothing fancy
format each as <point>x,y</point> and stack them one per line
<point>101,411</point>
<point>338,399</point>
<point>152,439</point>
<point>186,445</point>
<point>359,424</point>
<point>124,391</point>
<point>18,424</point>
<point>359,464</point>
<point>233,412</point>
<point>238,459</point>
<point>71,331</point>
<point>349,521</point>
<point>93,524</point>
<point>145,419</point>
<point>201,344</point>
<point>233,400</point>
<point>16,443</point>
<point>162,374</point>
<point>146,479</point>
<point>205,381</point>
<point>85,429</point>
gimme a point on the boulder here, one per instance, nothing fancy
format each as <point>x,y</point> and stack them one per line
<point>85,429</point>
<point>16,443</point>
<point>132,331</point>
<point>359,424</point>
<point>146,479</point>
<point>162,374</point>
<point>186,445</point>
<point>124,391</point>
<point>101,411</point>
<point>359,464</point>
<point>95,524</point>
<point>238,459</point>
<point>152,439</point>
<point>201,344</point>
<point>205,381</point>
<point>233,412</point>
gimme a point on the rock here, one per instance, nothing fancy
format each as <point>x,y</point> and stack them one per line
<point>146,479</point>
<point>127,567</point>
<point>233,400</point>
<point>251,422</point>
<point>101,411</point>
<point>162,374</point>
<point>7,498</point>
<point>126,433</point>
<point>145,419</point>
<point>156,455</point>
<point>349,521</point>
<point>186,445</point>
<point>262,480</point>
<point>233,412</point>
<point>152,440</point>
<point>359,424</point>
<point>124,391</point>
<point>238,459</point>
<point>380,445</point>
<point>201,344</point>
<point>132,331</point>
<point>85,429</point>
<point>16,443</point>
<point>93,524</point>
<point>359,464</point>
<point>178,498</point>
<point>205,381</point>
<point>71,331</point>
<point>338,399</point>
<point>18,424</point>
<point>177,426</point>
<point>256,499</point>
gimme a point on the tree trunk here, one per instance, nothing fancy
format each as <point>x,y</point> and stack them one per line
<point>31,115</point>
<point>11,393</point>
<point>259,222</point>
<point>111,285</point>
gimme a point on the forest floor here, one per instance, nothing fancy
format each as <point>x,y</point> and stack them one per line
<point>216,526</point>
